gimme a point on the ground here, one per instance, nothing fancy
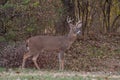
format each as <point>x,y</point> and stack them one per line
<point>33,74</point>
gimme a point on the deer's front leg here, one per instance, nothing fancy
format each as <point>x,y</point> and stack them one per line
<point>61,60</point>
<point>35,60</point>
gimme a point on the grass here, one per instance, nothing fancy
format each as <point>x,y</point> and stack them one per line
<point>32,74</point>
<point>47,77</point>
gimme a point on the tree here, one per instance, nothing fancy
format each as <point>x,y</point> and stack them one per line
<point>2,2</point>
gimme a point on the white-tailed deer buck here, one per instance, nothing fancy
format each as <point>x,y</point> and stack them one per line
<point>58,44</point>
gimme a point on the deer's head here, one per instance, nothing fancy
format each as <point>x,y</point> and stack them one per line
<point>74,29</point>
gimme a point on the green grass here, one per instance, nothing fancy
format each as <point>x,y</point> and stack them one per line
<point>47,77</point>
<point>2,69</point>
<point>32,74</point>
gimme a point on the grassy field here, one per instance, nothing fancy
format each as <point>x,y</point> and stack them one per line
<point>32,74</point>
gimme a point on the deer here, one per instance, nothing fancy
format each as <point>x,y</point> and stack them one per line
<point>59,44</point>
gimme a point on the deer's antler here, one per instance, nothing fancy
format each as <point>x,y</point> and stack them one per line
<point>69,20</point>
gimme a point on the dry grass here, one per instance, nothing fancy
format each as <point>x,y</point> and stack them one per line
<point>31,74</point>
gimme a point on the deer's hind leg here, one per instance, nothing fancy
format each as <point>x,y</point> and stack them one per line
<point>27,55</point>
<point>61,60</point>
<point>35,60</point>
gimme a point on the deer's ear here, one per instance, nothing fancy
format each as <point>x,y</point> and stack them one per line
<point>79,24</point>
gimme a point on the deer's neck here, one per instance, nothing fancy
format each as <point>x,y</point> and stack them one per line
<point>71,38</point>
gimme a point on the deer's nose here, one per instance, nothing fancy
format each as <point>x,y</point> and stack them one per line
<point>78,32</point>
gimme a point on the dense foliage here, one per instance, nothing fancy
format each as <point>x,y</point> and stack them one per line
<point>25,18</point>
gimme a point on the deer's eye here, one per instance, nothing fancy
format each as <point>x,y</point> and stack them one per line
<point>77,31</point>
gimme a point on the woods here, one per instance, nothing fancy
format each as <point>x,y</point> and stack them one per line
<point>24,17</point>
<point>100,39</point>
